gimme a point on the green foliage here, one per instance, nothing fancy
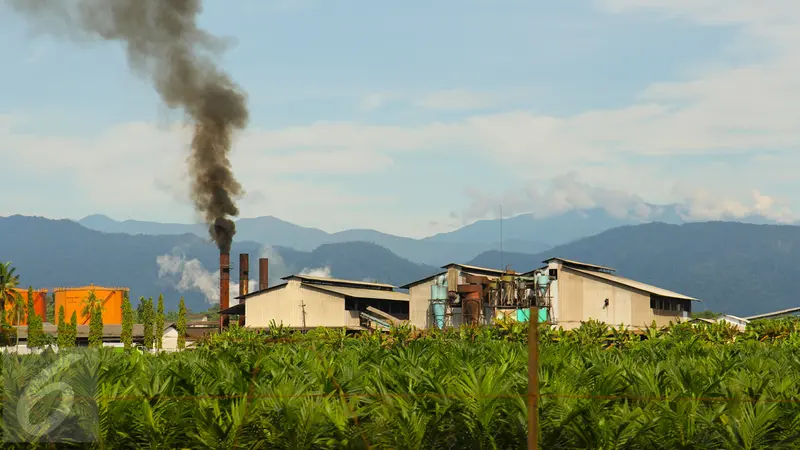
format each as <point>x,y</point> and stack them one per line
<point>147,318</point>
<point>50,315</point>
<point>181,325</point>
<point>63,330</point>
<point>676,387</point>
<point>126,335</point>
<point>7,332</point>
<point>707,314</point>
<point>8,283</point>
<point>73,329</point>
<point>96,328</point>
<point>36,336</point>
<point>159,324</point>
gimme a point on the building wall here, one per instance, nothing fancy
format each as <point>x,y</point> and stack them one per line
<point>286,305</point>
<point>582,298</point>
<point>419,304</point>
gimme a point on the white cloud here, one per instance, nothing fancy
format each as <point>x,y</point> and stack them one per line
<point>457,99</point>
<point>701,204</point>
<point>744,108</point>
<point>566,193</point>
<point>372,101</point>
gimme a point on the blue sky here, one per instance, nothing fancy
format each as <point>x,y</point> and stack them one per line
<point>416,117</point>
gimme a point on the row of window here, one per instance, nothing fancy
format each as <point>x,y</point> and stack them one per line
<point>670,304</point>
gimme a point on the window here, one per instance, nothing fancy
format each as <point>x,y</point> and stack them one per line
<point>670,304</point>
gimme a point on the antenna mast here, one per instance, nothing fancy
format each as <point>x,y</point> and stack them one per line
<point>501,237</point>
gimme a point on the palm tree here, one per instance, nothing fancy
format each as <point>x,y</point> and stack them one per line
<point>18,310</point>
<point>8,284</point>
<point>91,304</point>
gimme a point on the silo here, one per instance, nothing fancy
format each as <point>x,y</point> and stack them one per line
<point>39,306</point>
<point>73,299</point>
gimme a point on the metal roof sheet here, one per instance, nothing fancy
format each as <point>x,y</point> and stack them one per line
<point>578,263</point>
<point>634,284</point>
<point>338,281</point>
<point>774,313</point>
<point>361,293</point>
<point>468,267</point>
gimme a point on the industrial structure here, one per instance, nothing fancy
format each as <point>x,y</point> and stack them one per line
<point>19,315</point>
<point>74,300</point>
<point>565,292</point>
<point>304,302</point>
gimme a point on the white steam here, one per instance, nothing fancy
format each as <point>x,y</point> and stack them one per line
<point>321,272</point>
<point>195,278</point>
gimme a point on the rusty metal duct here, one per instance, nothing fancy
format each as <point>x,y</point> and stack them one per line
<point>224,287</point>
<point>244,279</point>
<point>263,273</point>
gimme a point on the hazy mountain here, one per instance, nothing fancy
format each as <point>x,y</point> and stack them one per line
<point>521,234</point>
<point>560,229</point>
<point>50,253</point>
<point>738,268</point>
<point>270,230</point>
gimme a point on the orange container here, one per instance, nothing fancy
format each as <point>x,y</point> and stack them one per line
<point>74,299</point>
<point>39,306</point>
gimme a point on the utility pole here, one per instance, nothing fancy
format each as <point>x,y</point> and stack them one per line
<point>533,375</point>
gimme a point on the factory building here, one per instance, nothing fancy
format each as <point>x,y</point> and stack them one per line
<point>567,293</point>
<point>307,302</point>
<point>580,291</point>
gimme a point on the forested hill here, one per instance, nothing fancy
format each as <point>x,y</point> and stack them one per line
<point>50,253</point>
<point>741,269</point>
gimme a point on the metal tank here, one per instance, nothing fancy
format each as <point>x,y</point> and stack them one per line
<point>439,300</point>
<point>73,300</point>
<point>39,306</point>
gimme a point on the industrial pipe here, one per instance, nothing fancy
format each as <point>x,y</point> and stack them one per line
<point>263,273</point>
<point>224,287</point>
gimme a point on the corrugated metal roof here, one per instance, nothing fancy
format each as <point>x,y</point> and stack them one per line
<point>578,263</point>
<point>634,284</point>
<point>774,313</point>
<point>468,267</point>
<point>250,294</point>
<point>338,281</point>
<point>361,293</point>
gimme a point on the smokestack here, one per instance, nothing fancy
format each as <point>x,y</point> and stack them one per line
<point>224,287</point>
<point>263,273</point>
<point>244,279</point>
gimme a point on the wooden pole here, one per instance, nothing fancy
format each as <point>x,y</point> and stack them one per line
<point>533,377</point>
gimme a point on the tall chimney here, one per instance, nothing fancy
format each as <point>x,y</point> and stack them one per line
<point>263,273</point>
<point>224,287</point>
<point>244,278</point>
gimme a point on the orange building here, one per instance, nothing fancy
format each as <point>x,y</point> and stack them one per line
<point>74,300</point>
<point>39,306</point>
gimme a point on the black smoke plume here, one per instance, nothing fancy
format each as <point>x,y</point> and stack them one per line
<point>164,43</point>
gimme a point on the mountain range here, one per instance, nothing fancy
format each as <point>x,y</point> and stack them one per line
<point>522,233</point>
<point>736,268</point>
